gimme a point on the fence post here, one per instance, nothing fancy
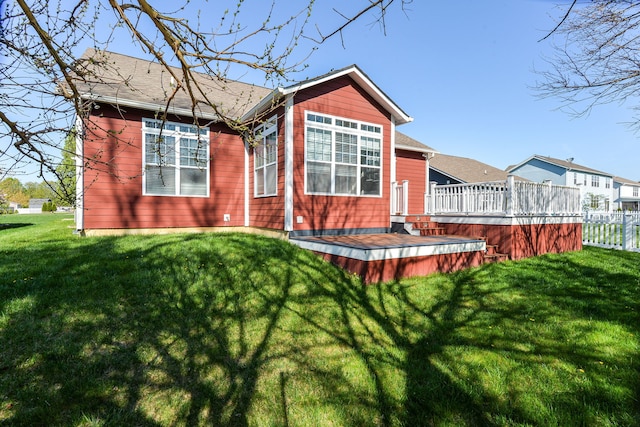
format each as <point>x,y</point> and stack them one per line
<point>510,194</point>
<point>627,232</point>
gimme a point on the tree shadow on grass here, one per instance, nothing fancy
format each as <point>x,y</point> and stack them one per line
<point>230,330</point>
<point>9,226</point>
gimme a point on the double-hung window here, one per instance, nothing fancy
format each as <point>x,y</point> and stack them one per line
<point>176,159</point>
<point>595,181</point>
<point>266,158</point>
<point>342,157</point>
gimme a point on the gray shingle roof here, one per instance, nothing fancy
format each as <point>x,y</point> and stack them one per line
<point>625,180</point>
<point>562,163</point>
<point>125,80</point>
<point>407,143</point>
<point>467,170</point>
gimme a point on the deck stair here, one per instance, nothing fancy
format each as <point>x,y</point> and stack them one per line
<point>492,255</point>
<point>421,225</point>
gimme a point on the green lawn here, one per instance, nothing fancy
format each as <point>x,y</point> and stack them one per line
<point>234,329</point>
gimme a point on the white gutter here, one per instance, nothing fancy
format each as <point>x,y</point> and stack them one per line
<point>149,106</point>
<point>288,164</point>
<point>79,214</point>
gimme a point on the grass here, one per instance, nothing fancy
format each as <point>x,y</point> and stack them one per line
<point>244,330</point>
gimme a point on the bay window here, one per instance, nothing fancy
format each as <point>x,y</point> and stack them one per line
<point>342,157</point>
<point>266,159</point>
<point>176,159</point>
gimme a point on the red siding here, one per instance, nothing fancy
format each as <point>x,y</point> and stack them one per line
<point>397,268</point>
<point>268,212</point>
<point>524,240</point>
<point>343,98</point>
<point>410,166</point>
<point>113,182</point>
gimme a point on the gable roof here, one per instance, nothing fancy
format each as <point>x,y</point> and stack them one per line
<point>133,82</point>
<point>466,170</point>
<point>626,181</point>
<point>405,142</point>
<point>565,164</point>
<point>352,71</point>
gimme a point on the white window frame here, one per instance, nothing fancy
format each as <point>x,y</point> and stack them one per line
<point>270,156</point>
<point>364,132</point>
<point>595,181</point>
<point>174,161</point>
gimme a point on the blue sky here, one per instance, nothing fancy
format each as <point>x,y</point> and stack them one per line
<point>464,71</point>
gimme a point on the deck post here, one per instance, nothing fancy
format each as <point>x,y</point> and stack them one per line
<point>431,208</point>
<point>510,194</point>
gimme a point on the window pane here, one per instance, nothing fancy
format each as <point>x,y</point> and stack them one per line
<point>318,144</point>
<point>160,180</point>
<point>160,150</point>
<point>346,148</point>
<point>259,156</point>
<point>370,181</point>
<point>346,179</point>
<point>318,177</point>
<point>370,151</point>
<point>193,182</point>
<point>259,176</point>
<point>192,152</point>
<point>270,180</point>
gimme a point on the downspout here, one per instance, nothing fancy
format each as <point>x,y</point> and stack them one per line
<point>246,183</point>
<point>288,164</point>
<point>392,167</point>
<point>79,212</point>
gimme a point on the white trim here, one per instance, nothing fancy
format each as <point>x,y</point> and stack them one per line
<point>148,106</point>
<point>355,73</point>
<point>359,133</point>
<point>272,127</point>
<point>392,163</point>
<point>363,81</point>
<point>288,164</point>
<point>178,167</point>
<point>247,218</point>
<point>391,253</point>
<point>416,149</point>
<point>504,220</point>
<point>79,214</point>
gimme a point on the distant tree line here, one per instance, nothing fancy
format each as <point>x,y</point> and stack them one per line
<point>14,191</point>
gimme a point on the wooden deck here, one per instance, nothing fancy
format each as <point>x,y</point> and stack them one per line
<point>383,257</point>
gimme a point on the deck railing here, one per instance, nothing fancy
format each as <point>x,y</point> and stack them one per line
<point>400,197</point>
<point>510,198</point>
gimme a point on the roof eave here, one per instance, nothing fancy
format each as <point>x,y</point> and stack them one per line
<point>416,149</point>
<point>148,106</point>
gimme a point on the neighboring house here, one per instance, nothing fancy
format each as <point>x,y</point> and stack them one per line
<point>626,194</point>
<point>596,187</point>
<point>446,169</point>
<point>323,162</point>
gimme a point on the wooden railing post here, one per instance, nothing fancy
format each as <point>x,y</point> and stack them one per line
<point>431,208</point>
<point>510,194</point>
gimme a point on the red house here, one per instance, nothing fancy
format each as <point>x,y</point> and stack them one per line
<point>323,158</point>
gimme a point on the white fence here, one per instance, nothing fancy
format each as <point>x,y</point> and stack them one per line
<point>618,230</point>
<point>400,197</point>
<point>510,198</point>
